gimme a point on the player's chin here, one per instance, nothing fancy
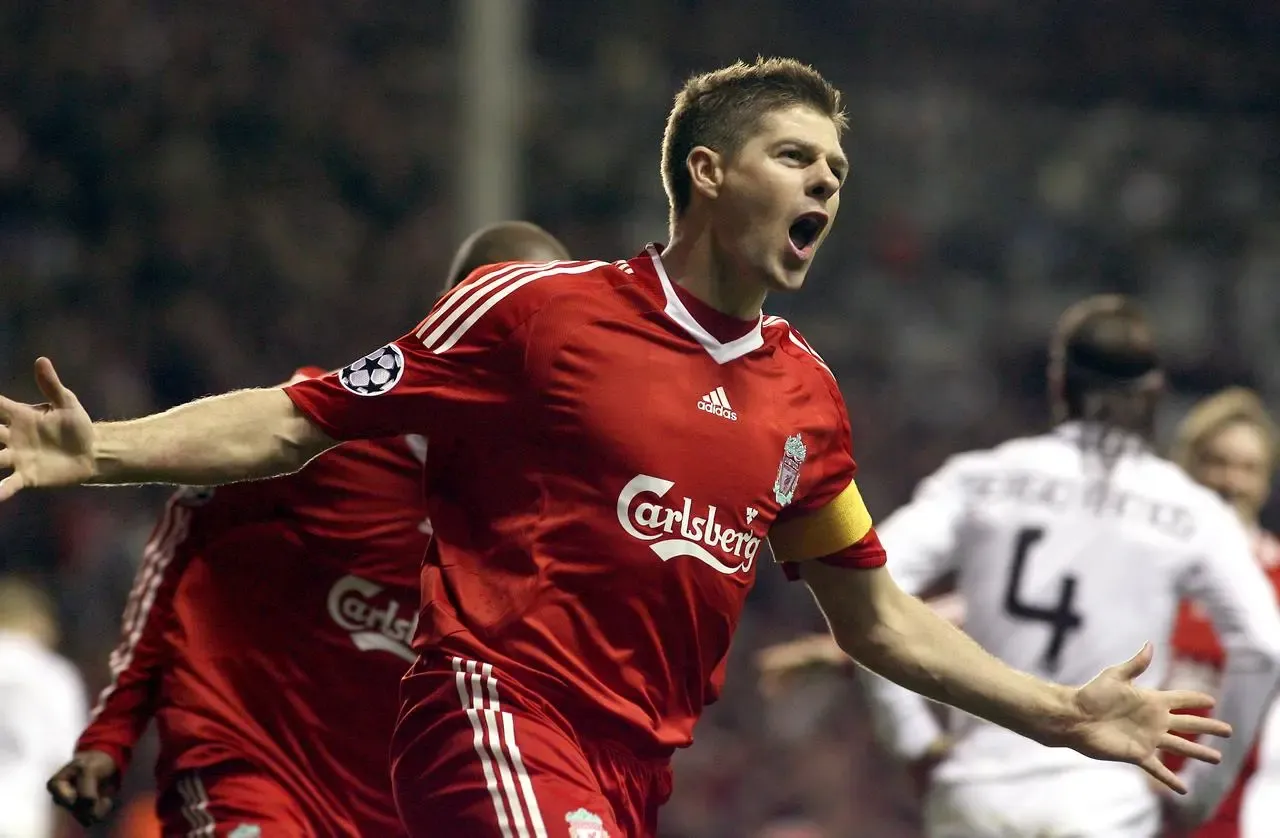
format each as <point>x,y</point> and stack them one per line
<point>789,275</point>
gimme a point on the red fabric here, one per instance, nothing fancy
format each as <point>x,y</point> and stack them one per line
<point>129,702</point>
<point>521,738</point>
<point>1194,639</point>
<point>596,532</point>
<point>279,632</point>
<point>217,802</point>
<point>867,554</point>
<point>725,327</point>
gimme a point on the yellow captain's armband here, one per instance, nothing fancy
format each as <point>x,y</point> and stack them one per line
<point>843,522</point>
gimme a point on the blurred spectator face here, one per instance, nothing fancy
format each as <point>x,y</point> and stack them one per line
<point>26,609</point>
<point>777,197</point>
<point>1235,462</point>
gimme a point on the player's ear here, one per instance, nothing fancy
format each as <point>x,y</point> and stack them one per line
<point>706,171</point>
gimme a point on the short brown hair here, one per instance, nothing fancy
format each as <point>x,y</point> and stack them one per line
<point>1216,413</point>
<point>721,110</point>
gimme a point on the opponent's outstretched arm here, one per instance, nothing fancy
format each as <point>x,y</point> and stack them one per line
<point>243,435</point>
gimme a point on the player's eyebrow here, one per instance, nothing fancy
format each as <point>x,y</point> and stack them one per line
<point>835,159</point>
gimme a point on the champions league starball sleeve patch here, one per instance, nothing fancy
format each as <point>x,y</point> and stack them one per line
<point>375,373</point>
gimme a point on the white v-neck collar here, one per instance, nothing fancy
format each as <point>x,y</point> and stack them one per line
<point>721,353</point>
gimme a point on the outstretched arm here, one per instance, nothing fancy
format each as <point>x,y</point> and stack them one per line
<point>898,637</point>
<point>243,435</point>
<point>1232,587</point>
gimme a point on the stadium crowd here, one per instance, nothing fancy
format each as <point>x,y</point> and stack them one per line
<point>196,197</point>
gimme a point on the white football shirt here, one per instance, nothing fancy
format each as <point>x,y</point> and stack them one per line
<point>1066,566</point>
<point>42,711</point>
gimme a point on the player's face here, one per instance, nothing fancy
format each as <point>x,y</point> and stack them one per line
<point>780,196</point>
<point>1236,463</point>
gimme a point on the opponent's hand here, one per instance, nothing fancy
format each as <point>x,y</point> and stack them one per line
<point>780,661</point>
<point>86,786</point>
<point>921,769</point>
<point>1121,722</point>
<point>48,444</point>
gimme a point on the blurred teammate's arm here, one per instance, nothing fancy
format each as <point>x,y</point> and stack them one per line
<point>138,662</point>
<point>87,784</point>
<point>1240,600</point>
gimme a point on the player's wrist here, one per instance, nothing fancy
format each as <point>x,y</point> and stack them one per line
<point>1061,716</point>
<point>112,758</point>
<point>106,452</point>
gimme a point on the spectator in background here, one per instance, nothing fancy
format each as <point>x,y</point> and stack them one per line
<point>42,708</point>
<point>1227,442</point>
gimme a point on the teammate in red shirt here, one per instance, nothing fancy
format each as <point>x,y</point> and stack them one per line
<point>611,444</point>
<point>275,709</point>
<point>1228,443</point>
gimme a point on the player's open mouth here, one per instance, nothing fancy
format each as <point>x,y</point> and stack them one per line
<point>805,231</point>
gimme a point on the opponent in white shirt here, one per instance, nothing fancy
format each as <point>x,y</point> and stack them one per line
<point>1069,550</point>
<point>42,710</point>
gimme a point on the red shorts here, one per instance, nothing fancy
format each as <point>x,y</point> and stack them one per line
<point>228,802</point>
<point>474,756</point>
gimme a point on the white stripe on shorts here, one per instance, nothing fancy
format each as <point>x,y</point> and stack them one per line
<point>195,806</point>
<point>478,692</point>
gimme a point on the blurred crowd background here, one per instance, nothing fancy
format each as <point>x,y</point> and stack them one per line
<point>198,196</point>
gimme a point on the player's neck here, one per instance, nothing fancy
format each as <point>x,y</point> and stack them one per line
<point>691,262</point>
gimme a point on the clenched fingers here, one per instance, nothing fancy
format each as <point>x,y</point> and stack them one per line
<point>61,786</point>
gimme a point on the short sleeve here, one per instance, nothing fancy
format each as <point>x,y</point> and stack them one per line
<point>827,519</point>
<point>922,538</point>
<point>1225,579</point>
<point>461,366</point>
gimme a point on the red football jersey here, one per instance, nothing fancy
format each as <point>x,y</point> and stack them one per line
<point>270,624</point>
<point>604,472</point>
<point>1195,642</point>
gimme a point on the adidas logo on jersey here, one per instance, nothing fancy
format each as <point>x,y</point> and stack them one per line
<point>716,402</point>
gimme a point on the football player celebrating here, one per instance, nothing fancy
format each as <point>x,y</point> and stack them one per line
<point>596,531</point>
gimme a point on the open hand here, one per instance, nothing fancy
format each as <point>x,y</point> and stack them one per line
<point>1121,722</point>
<point>86,786</point>
<point>48,444</point>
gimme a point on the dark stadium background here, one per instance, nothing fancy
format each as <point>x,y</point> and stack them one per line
<point>196,196</point>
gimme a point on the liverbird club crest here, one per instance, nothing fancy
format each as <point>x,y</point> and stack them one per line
<point>793,454</point>
<point>583,824</point>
